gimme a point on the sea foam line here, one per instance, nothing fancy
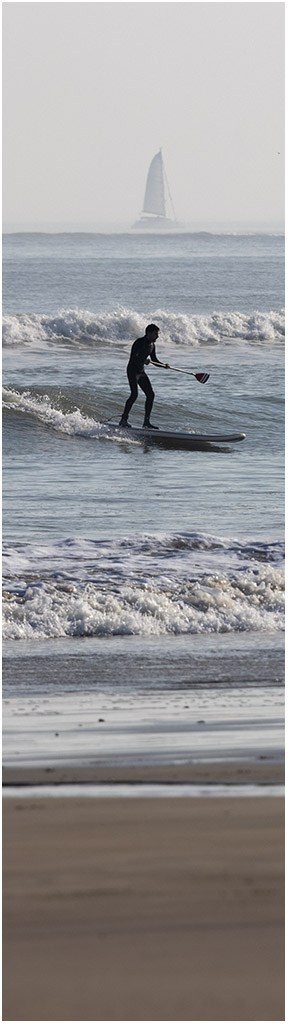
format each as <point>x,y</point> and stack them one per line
<point>72,423</point>
<point>78,328</point>
<point>178,555</point>
<point>212,604</point>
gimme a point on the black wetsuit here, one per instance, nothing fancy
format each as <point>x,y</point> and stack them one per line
<point>141,349</point>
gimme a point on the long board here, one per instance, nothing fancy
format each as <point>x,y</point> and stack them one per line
<point>176,436</point>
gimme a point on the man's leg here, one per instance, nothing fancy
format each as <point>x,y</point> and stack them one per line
<point>130,401</point>
<point>146,386</point>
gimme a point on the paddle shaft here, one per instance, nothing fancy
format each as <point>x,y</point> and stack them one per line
<point>177,369</point>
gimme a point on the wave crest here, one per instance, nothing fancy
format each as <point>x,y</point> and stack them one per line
<point>214,604</point>
<point>142,585</point>
<point>74,423</point>
<point>82,328</point>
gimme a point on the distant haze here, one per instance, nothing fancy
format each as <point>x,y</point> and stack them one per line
<point>92,90</point>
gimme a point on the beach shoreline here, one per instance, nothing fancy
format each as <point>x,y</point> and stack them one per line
<point>263,772</point>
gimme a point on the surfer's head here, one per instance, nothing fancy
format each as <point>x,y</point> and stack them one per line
<point>152,330</point>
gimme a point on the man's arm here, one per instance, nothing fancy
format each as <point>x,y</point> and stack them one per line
<point>153,356</point>
<point>153,359</point>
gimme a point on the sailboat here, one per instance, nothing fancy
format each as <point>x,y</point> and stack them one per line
<point>153,214</point>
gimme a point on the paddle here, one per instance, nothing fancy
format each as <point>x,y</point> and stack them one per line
<point>201,377</point>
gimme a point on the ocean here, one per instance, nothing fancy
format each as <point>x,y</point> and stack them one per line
<point>137,572</point>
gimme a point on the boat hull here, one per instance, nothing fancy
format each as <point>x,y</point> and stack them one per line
<point>156,224</point>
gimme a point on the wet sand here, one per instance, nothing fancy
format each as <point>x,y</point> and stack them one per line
<point>143,909</point>
<point>263,772</point>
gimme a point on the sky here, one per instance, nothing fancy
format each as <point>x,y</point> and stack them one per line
<point>91,91</point>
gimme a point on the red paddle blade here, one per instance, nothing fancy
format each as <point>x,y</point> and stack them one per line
<point>202,377</point>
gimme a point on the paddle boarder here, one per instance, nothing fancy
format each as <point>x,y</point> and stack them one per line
<point>142,353</point>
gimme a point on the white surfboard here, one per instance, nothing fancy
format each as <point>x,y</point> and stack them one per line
<point>192,440</point>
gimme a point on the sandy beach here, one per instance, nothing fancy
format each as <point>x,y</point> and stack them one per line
<point>139,906</point>
<point>143,909</point>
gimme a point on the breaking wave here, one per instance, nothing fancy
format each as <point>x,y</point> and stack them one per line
<point>82,328</point>
<point>213,605</point>
<point>73,423</point>
<point>148,585</point>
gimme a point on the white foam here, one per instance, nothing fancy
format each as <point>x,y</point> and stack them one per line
<point>146,584</point>
<point>72,423</point>
<point>83,328</point>
<point>167,556</point>
<point>213,604</point>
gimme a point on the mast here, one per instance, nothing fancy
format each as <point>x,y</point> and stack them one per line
<point>169,193</point>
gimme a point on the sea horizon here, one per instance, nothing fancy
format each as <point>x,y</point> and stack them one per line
<point>126,227</point>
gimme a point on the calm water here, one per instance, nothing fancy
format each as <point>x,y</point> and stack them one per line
<point>119,541</point>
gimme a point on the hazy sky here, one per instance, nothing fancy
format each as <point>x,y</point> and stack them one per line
<point>92,90</point>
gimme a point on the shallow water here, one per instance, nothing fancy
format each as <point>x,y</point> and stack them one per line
<point>135,791</point>
<point>172,727</point>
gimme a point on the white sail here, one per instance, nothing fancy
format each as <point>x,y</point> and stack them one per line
<point>154,200</point>
<point>153,216</point>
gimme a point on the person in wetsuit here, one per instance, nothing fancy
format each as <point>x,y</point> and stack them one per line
<point>142,351</point>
